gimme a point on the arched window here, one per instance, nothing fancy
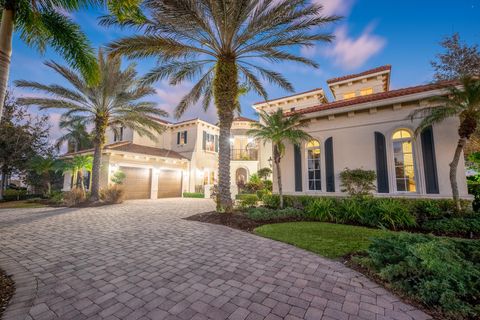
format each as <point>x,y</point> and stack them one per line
<point>404,161</point>
<point>313,156</point>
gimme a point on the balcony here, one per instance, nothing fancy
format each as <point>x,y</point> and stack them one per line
<point>244,154</point>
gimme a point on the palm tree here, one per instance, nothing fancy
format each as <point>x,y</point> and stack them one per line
<point>464,103</point>
<point>222,44</point>
<point>43,23</point>
<point>279,129</point>
<point>116,100</point>
<point>76,136</point>
<point>43,166</point>
<point>76,166</point>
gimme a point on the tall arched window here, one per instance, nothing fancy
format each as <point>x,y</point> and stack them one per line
<point>404,161</point>
<point>313,158</point>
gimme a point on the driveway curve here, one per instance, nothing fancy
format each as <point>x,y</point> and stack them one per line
<point>140,260</point>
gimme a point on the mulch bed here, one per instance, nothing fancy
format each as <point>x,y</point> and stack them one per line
<point>236,220</point>
<point>7,288</point>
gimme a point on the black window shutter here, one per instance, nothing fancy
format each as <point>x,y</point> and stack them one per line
<point>429,161</point>
<point>178,137</point>
<point>329,165</point>
<point>381,157</point>
<point>297,162</point>
<point>185,137</point>
<point>204,143</point>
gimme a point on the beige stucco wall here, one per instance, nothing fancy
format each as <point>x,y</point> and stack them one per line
<point>376,83</point>
<point>353,147</point>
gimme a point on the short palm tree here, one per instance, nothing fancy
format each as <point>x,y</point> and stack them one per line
<point>117,100</point>
<point>76,167</point>
<point>43,23</point>
<point>464,103</point>
<point>222,44</point>
<point>76,135</point>
<point>44,166</point>
<point>279,129</point>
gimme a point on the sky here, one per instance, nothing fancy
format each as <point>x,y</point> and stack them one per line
<point>404,34</point>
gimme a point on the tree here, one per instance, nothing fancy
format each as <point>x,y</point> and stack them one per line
<point>76,136</point>
<point>116,100</point>
<point>264,173</point>
<point>43,166</point>
<point>43,23</point>
<point>76,166</point>
<point>463,103</point>
<point>279,129</point>
<point>22,136</point>
<point>459,60</point>
<point>220,43</point>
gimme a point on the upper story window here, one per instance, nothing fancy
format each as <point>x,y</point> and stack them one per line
<point>118,134</point>
<point>182,138</point>
<point>404,161</point>
<point>314,171</point>
<point>366,91</point>
<point>210,142</point>
<point>349,95</point>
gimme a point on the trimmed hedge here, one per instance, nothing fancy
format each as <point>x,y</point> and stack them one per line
<point>14,195</point>
<point>441,273</point>
<point>463,226</point>
<point>193,195</point>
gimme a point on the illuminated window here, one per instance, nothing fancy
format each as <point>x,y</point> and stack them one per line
<point>210,142</point>
<point>349,95</point>
<point>404,161</point>
<point>313,158</point>
<point>365,92</point>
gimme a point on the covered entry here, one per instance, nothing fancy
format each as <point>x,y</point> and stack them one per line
<point>137,183</point>
<point>169,184</point>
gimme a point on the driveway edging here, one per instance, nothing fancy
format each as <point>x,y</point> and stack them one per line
<point>25,289</point>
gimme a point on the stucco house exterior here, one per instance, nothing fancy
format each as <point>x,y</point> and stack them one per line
<point>368,126</point>
<point>184,158</point>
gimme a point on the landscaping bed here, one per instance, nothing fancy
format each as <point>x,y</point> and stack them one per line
<point>7,288</point>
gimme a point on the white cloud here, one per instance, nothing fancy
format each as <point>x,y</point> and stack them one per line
<point>349,52</point>
<point>335,7</point>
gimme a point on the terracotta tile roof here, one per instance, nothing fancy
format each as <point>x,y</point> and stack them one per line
<point>243,119</point>
<point>293,95</point>
<point>361,74</point>
<point>376,97</point>
<point>128,146</point>
<point>160,120</point>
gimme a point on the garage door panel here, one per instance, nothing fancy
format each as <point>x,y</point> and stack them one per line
<point>137,182</point>
<point>169,184</point>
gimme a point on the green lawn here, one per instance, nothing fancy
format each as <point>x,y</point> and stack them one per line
<point>20,204</point>
<point>326,239</point>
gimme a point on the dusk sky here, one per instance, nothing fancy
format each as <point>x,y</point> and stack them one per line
<point>404,34</point>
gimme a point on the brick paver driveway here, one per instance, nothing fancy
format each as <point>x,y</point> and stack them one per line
<point>140,260</point>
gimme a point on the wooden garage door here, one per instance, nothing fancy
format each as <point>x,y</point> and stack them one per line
<point>169,184</point>
<point>137,183</point>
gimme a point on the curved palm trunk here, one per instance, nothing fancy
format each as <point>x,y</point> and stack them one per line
<point>276,160</point>
<point>6,33</point>
<point>99,142</point>
<point>225,86</point>
<point>453,172</point>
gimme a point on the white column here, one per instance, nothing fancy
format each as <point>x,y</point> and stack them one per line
<point>154,183</point>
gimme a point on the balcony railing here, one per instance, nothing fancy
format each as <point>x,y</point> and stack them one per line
<point>242,154</point>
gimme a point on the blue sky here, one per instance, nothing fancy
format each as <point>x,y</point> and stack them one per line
<point>404,34</point>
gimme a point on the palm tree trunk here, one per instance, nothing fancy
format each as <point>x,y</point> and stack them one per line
<point>6,33</point>
<point>276,159</point>
<point>225,88</point>
<point>453,172</point>
<point>3,183</point>
<point>99,142</point>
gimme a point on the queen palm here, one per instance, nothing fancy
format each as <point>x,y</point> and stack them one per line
<point>76,135</point>
<point>221,44</point>
<point>462,102</point>
<point>43,23</point>
<point>279,129</point>
<point>76,166</point>
<point>116,100</point>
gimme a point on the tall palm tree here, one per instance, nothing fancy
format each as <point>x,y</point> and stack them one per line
<point>43,166</point>
<point>76,136</point>
<point>462,102</point>
<point>116,100</point>
<point>222,44</point>
<point>279,129</point>
<point>43,23</point>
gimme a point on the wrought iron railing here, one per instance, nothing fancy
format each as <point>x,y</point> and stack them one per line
<point>244,154</point>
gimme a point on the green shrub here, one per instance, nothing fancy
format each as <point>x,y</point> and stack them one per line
<point>248,201</point>
<point>242,196</point>
<point>358,182</point>
<point>56,197</point>
<point>14,195</point>
<point>388,213</point>
<point>322,209</point>
<point>193,195</point>
<point>268,185</point>
<point>440,272</point>
<point>464,226</point>
<point>271,201</point>
<point>352,210</point>
<point>262,193</point>
<point>270,214</point>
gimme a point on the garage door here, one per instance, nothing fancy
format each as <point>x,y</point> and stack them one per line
<point>137,183</point>
<point>169,184</point>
